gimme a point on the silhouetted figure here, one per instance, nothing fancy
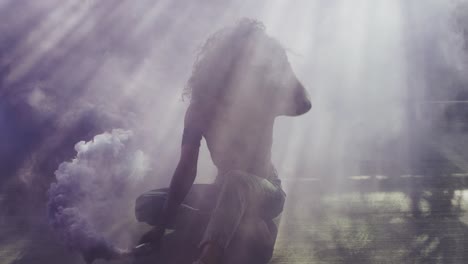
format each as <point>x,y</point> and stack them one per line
<point>241,82</point>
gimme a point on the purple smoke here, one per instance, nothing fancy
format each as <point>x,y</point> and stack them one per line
<point>93,192</point>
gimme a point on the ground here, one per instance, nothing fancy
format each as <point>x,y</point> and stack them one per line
<point>318,226</point>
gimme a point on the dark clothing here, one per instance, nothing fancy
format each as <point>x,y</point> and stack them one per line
<point>224,209</point>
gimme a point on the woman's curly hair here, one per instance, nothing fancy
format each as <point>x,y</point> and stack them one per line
<point>221,54</point>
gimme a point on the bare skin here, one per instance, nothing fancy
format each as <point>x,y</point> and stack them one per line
<point>238,137</point>
<point>238,129</point>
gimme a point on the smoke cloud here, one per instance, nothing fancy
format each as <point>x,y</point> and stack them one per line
<point>93,192</point>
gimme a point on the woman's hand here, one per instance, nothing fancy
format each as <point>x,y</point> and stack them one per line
<point>153,236</point>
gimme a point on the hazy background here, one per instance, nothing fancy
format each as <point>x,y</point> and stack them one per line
<point>381,76</point>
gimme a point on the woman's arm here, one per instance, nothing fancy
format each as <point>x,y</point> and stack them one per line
<point>186,169</point>
<point>182,179</point>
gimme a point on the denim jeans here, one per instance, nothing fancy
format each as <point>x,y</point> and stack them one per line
<point>239,206</point>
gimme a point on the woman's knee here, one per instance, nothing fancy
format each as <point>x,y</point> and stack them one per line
<point>148,206</point>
